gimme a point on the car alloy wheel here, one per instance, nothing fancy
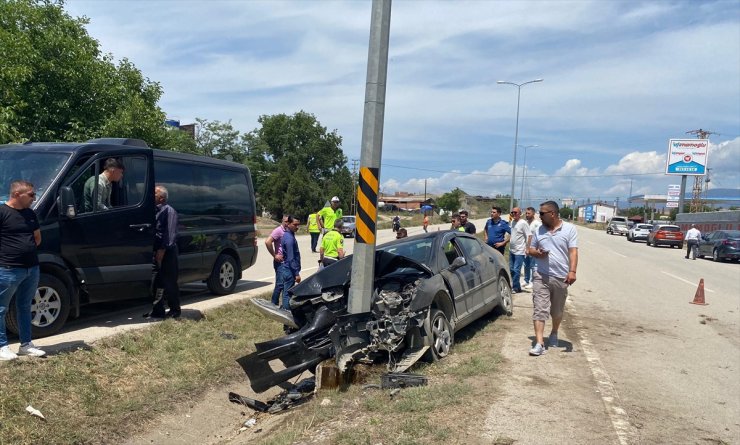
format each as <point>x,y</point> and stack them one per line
<point>441,336</point>
<point>715,255</point>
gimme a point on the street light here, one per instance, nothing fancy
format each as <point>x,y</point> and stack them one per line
<point>524,174</point>
<point>516,134</point>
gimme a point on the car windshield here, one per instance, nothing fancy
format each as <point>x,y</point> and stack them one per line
<point>38,168</point>
<point>418,250</point>
<point>348,219</point>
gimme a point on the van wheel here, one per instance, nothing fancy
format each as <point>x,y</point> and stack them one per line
<point>223,277</point>
<point>49,308</point>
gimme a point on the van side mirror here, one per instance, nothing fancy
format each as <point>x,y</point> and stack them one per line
<point>66,202</point>
<point>458,263</point>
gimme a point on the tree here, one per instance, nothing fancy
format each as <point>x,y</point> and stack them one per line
<point>566,213</point>
<point>296,164</point>
<point>220,140</point>
<point>450,201</point>
<point>55,85</point>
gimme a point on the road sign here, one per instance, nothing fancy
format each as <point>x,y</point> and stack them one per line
<point>674,193</point>
<point>671,204</point>
<point>687,157</point>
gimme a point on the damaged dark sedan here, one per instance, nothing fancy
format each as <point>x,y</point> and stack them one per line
<point>427,287</point>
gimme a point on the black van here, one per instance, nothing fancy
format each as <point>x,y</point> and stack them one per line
<point>91,254</point>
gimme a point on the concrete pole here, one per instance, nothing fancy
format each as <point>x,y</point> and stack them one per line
<point>363,258</point>
<point>681,196</point>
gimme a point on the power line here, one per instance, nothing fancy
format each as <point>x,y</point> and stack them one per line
<point>529,176</point>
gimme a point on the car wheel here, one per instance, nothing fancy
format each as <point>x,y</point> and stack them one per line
<point>441,336</point>
<point>506,307</point>
<point>49,308</point>
<point>715,256</point>
<point>223,277</point>
<point>647,242</point>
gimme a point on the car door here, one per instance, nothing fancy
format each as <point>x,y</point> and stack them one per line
<point>111,249</point>
<point>484,269</point>
<point>462,280</point>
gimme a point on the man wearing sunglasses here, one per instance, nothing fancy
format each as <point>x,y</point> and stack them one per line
<point>555,249</point>
<point>19,265</point>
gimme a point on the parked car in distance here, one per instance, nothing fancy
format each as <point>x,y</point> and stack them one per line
<point>348,226</point>
<point>639,231</point>
<point>617,226</point>
<point>427,287</point>
<point>665,234</point>
<point>720,245</point>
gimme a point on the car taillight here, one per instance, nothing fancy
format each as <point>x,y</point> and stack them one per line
<point>727,242</point>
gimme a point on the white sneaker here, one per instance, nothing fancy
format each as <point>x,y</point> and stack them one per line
<point>30,349</point>
<point>7,354</point>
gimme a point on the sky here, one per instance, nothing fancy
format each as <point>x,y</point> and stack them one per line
<point>621,78</point>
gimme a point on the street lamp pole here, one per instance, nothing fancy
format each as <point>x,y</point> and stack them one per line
<point>524,173</point>
<point>516,133</point>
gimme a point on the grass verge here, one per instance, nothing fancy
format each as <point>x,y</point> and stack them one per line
<point>102,394</point>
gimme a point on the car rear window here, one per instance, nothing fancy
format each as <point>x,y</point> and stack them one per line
<point>670,228</point>
<point>644,226</point>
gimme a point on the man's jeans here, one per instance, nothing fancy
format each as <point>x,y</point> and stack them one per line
<point>529,266</point>
<point>692,246</point>
<point>515,267</point>
<point>277,290</point>
<point>21,282</point>
<point>287,280</point>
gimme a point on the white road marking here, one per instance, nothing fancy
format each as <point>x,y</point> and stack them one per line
<point>686,281</point>
<point>616,253</point>
<point>610,397</point>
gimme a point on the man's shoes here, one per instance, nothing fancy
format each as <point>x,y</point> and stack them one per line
<point>154,316</point>
<point>537,350</point>
<point>528,286</point>
<point>7,354</point>
<point>552,340</point>
<point>516,291</point>
<point>174,314</point>
<point>30,349</point>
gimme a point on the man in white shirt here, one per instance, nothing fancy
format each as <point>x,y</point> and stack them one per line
<point>517,247</point>
<point>529,263</point>
<point>692,241</point>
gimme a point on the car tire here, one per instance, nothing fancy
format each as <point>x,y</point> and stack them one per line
<point>441,336</point>
<point>223,276</point>
<point>49,309</point>
<point>715,256</point>
<point>647,242</point>
<point>506,306</point>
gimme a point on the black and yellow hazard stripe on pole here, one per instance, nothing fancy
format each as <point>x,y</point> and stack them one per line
<point>367,208</point>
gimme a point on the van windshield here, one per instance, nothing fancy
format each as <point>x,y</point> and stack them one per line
<point>38,168</point>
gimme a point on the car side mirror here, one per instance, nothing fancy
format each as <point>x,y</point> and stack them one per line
<point>66,202</point>
<point>458,263</point>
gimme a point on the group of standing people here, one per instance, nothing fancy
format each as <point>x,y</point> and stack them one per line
<point>283,247</point>
<point>548,252</point>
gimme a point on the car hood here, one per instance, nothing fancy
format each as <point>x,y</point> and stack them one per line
<point>340,273</point>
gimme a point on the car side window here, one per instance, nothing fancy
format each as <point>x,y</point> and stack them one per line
<point>470,246</point>
<point>451,250</point>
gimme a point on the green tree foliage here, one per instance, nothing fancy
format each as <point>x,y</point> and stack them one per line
<point>450,201</point>
<point>566,213</point>
<point>55,85</point>
<point>220,140</point>
<point>297,165</point>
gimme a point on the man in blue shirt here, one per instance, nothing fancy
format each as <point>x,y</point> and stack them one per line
<point>497,230</point>
<point>289,271</point>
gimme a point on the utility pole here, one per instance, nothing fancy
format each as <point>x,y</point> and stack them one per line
<point>363,259</point>
<point>697,204</point>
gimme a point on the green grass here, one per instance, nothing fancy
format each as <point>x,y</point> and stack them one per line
<point>102,394</point>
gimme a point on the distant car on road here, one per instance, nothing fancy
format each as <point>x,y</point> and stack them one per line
<point>665,234</point>
<point>720,245</point>
<point>639,231</point>
<point>348,226</point>
<point>617,226</point>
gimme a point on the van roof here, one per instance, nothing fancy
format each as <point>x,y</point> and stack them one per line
<point>112,144</point>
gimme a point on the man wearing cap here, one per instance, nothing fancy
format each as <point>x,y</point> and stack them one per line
<point>328,215</point>
<point>692,241</point>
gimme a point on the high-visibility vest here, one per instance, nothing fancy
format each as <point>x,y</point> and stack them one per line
<point>313,225</point>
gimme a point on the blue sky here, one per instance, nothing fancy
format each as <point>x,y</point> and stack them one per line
<point>621,78</point>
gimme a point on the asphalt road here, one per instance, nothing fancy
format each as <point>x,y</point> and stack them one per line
<point>637,362</point>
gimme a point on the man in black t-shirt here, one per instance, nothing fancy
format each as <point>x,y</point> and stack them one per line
<point>19,265</point>
<point>467,225</point>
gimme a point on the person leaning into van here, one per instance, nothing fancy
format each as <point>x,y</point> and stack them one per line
<point>19,265</point>
<point>165,258</point>
<point>332,245</point>
<point>112,172</point>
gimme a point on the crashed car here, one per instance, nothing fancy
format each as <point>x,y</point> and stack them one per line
<point>426,288</point>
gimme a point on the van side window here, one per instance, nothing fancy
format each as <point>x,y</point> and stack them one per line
<point>177,177</point>
<point>225,192</point>
<point>96,191</point>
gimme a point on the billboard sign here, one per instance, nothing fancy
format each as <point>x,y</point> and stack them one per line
<point>589,213</point>
<point>687,157</point>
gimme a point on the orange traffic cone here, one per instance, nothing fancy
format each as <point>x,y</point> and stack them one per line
<point>699,296</point>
